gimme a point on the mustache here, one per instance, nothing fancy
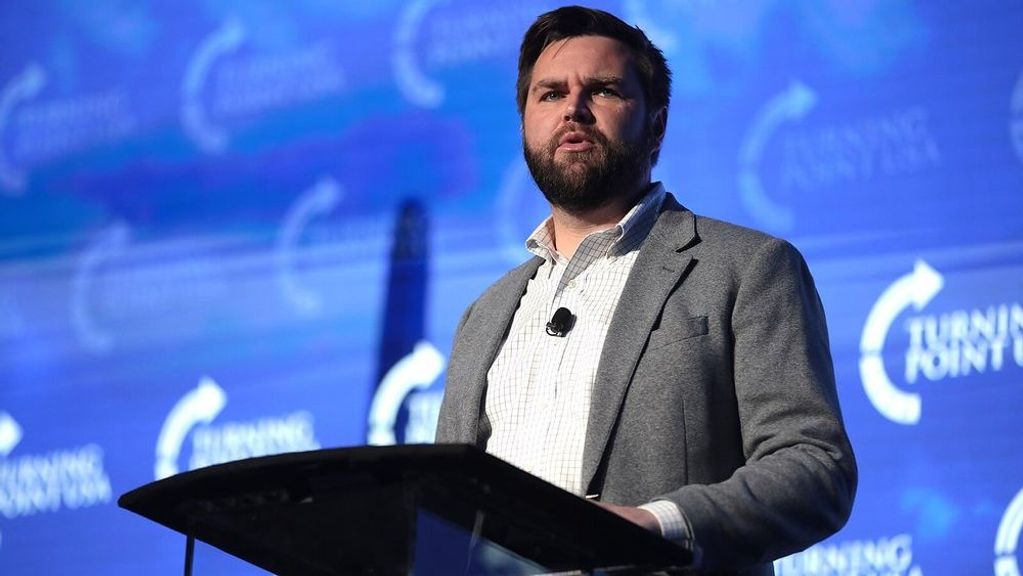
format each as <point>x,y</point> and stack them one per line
<point>589,132</point>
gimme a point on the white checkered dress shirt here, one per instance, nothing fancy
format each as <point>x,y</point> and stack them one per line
<point>539,387</point>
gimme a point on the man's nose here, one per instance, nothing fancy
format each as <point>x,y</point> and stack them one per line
<point>577,109</point>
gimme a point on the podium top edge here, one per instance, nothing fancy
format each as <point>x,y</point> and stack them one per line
<point>409,455</point>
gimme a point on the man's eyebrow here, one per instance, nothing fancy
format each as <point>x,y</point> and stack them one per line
<point>603,80</point>
<point>549,83</point>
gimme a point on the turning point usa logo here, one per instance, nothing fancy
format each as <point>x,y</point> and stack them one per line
<point>194,416</point>
<point>959,343</point>
<point>41,483</point>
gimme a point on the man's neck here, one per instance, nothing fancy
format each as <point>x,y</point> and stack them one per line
<point>570,229</point>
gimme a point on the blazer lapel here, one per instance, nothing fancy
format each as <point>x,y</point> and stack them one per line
<point>658,269</point>
<point>489,322</point>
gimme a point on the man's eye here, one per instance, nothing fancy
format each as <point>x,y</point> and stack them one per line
<point>550,96</point>
<point>606,92</point>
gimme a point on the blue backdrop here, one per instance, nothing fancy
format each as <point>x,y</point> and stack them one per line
<point>233,227</point>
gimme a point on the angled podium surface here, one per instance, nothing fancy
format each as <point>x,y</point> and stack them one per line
<point>423,509</point>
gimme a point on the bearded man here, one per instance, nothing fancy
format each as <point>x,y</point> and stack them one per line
<point>687,384</point>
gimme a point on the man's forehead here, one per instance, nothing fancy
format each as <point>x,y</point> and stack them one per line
<point>592,44</point>
<point>597,58</point>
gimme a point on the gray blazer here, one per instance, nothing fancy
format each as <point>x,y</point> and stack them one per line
<point>715,390</point>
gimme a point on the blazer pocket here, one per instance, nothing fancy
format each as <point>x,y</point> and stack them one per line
<point>672,332</point>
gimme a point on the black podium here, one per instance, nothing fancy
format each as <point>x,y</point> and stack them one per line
<point>422,509</point>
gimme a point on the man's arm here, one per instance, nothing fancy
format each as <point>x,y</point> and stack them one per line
<point>798,483</point>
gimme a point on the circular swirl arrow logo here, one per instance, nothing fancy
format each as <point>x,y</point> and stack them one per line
<point>916,290</point>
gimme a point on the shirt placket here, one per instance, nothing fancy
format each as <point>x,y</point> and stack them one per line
<point>547,352</point>
<point>564,383</point>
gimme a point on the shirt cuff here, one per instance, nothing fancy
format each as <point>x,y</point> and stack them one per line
<point>674,524</point>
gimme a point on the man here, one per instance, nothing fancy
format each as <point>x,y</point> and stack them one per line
<point>692,389</point>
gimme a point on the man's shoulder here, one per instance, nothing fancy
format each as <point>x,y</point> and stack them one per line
<point>722,233</point>
<point>717,236</point>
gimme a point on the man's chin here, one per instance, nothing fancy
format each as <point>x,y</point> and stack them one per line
<point>569,157</point>
<point>575,167</point>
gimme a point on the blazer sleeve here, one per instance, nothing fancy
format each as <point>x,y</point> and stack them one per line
<point>799,479</point>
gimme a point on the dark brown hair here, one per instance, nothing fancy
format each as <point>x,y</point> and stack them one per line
<point>572,21</point>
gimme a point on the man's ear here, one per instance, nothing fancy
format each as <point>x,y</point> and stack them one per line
<point>659,124</point>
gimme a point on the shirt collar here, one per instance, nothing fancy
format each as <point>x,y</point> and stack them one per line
<point>629,232</point>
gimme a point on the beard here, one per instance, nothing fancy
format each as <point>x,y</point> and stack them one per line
<point>584,181</point>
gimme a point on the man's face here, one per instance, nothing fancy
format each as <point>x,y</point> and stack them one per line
<point>587,133</point>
